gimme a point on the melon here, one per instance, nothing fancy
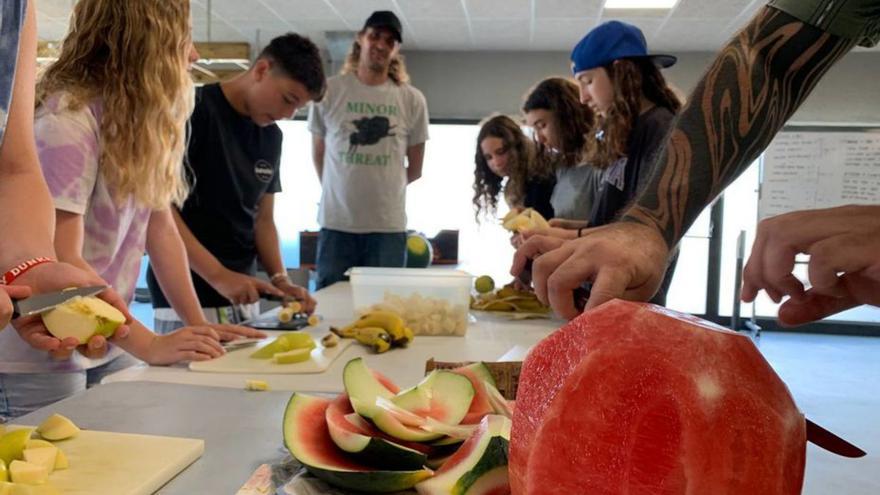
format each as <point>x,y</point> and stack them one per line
<point>479,375</point>
<point>634,398</point>
<point>442,395</point>
<point>307,437</point>
<point>419,252</point>
<point>478,467</point>
<point>353,434</point>
<point>364,386</point>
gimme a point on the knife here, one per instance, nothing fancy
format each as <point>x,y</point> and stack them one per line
<point>44,302</point>
<point>831,442</point>
<point>581,295</point>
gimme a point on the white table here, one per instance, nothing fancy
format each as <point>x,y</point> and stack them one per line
<point>835,381</point>
<point>487,339</point>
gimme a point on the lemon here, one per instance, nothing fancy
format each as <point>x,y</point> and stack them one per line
<point>484,284</point>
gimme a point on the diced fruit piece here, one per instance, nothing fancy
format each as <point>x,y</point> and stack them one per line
<point>43,456</point>
<point>61,461</point>
<point>57,427</point>
<point>367,444</point>
<point>283,343</point>
<point>330,340</point>
<point>314,320</point>
<point>442,395</point>
<point>285,315</point>
<point>4,473</point>
<point>12,444</point>
<point>294,306</point>
<point>28,473</point>
<point>307,437</point>
<point>256,385</point>
<point>478,467</point>
<point>83,317</point>
<point>363,387</point>
<point>294,356</point>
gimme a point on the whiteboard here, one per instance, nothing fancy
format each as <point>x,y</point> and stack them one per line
<point>805,170</point>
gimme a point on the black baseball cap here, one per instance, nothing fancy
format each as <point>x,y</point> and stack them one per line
<point>386,19</point>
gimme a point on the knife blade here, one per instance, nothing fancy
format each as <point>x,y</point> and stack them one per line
<point>832,443</point>
<point>44,302</point>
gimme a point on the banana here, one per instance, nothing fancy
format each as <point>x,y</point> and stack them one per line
<point>375,337</point>
<point>391,322</point>
<point>346,332</point>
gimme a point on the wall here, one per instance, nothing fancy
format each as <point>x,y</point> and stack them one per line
<point>471,85</point>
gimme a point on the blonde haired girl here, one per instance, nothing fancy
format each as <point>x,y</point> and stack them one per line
<point>110,132</point>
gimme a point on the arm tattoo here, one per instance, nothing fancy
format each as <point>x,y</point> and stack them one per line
<point>755,84</point>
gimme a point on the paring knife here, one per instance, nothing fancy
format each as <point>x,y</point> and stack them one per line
<point>44,302</point>
<point>831,442</point>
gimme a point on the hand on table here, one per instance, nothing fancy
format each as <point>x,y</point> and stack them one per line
<point>196,343</point>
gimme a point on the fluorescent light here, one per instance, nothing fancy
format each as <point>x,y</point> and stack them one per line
<point>640,4</point>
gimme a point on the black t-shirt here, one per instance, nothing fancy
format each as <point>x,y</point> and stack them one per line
<point>620,183</point>
<point>537,195</point>
<point>232,163</point>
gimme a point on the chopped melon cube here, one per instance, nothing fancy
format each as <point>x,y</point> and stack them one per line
<point>43,456</point>
<point>256,385</point>
<point>28,473</point>
<point>57,427</point>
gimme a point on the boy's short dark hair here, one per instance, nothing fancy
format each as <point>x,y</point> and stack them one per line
<point>298,58</point>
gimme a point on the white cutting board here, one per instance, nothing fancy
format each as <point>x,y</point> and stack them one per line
<point>239,360</point>
<point>106,463</point>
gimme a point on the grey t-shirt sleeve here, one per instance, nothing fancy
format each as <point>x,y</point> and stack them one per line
<point>419,123</point>
<point>316,118</point>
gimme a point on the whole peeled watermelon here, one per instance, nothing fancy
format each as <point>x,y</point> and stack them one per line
<point>633,398</point>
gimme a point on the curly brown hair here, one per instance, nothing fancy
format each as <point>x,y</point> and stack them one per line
<point>632,79</point>
<point>573,120</point>
<point>522,166</point>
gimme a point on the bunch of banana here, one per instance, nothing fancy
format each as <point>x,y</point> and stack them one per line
<point>508,299</point>
<point>379,330</point>
<point>519,221</point>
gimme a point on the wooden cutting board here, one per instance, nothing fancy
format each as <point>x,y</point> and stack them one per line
<point>107,463</point>
<point>239,360</point>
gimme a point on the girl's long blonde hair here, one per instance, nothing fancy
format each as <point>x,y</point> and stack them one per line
<point>133,56</point>
<point>396,72</point>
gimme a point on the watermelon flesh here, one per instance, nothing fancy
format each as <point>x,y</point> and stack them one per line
<point>633,398</point>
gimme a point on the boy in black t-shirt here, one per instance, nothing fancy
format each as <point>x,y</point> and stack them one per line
<point>234,154</point>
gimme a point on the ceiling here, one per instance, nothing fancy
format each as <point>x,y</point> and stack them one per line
<point>511,25</point>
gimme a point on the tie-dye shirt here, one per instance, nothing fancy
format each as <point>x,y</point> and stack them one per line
<point>11,17</point>
<point>68,144</point>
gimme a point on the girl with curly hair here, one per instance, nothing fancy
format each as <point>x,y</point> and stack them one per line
<point>561,124</point>
<point>504,152</point>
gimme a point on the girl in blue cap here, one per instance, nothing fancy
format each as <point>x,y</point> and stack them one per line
<point>634,108</point>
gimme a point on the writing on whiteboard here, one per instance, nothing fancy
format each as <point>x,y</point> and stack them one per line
<point>810,170</point>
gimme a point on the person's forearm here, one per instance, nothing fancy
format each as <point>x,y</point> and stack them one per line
<point>201,261</point>
<point>139,341</point>
<point>168,259</point>
<point>27,217</point>
<point>415,158</point>
<point>318,156</point>
<point>268,247</point>
<point>755,84</point>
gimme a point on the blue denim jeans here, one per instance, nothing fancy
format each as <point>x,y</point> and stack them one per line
<point>22,393</point>
<point>339,251</point>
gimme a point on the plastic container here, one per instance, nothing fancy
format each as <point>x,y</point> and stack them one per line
<point>432,301</point>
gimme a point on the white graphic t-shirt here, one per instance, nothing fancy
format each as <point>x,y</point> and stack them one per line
<point>367,131</point>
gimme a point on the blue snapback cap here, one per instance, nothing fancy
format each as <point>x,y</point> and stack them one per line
<point>611,41</point>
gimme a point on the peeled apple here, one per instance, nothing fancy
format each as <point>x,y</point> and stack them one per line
<point>83,317</point>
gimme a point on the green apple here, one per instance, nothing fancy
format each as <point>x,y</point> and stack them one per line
<point>57,427</point>
<point>82,317</point>
<point>44,456</point>
<point>294,356</point>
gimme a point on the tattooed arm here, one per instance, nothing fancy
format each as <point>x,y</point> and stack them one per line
<point>755,84</point>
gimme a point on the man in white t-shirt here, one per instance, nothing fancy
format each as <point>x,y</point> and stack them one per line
<point>369,137</point>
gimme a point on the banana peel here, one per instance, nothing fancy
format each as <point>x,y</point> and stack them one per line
<point>509,300</point>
